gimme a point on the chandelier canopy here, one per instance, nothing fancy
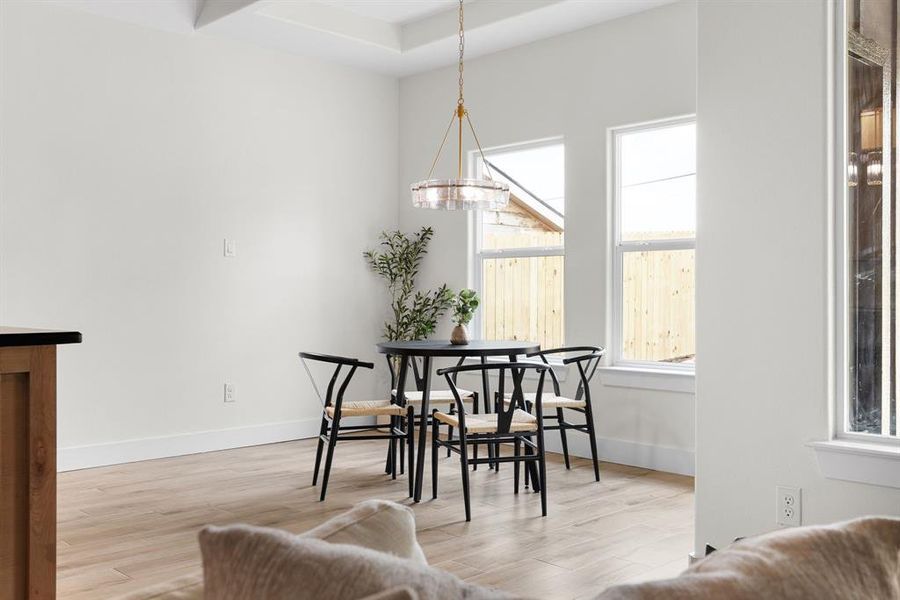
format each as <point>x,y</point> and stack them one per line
<point>460,193</point>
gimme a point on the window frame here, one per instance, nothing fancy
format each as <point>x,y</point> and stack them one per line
<point>618,248</point>
<point>839,246</point>
<point>478,254</point>
<point>848,456</point>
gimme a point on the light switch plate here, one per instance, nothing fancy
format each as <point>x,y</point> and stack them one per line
<point>230,248</point>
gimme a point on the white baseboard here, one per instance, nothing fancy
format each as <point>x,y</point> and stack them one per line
<point>635,454</point>
<point>126,451</point>
<point>658,458</point>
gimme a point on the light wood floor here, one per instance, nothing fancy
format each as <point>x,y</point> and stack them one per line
<point>125,527</point>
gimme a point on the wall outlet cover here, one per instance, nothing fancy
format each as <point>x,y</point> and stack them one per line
<point>788,506</point>
<point>229,392</point>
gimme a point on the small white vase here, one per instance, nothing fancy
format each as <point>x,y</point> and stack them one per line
<point>459,336</point>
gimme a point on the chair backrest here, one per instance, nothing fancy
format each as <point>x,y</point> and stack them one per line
<point>340,362</point>
<point>587,359</point>
<point>418,374</point>
<point>505,410</point>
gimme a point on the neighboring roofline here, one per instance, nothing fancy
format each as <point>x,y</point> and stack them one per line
<point>548,223</point>
<point>529,208</point>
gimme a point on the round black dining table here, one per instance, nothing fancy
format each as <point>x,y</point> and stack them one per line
<point>427,350</point>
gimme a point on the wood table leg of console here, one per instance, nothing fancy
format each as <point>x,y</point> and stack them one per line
<point>28,472</point>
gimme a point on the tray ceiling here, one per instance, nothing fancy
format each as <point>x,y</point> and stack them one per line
<point>394,37</point>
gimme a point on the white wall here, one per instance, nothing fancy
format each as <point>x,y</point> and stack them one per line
<point>762,382</point>
<point>127,155</point>
<point>577,85</point>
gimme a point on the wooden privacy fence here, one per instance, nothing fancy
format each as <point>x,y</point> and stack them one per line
<point>523,300</point>
<point>658,306</point>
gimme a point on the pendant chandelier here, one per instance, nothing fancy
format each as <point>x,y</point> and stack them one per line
<point>459,193</point>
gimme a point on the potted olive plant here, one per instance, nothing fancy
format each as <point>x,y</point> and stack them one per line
<point>415,313</point>
<point>464,305</point>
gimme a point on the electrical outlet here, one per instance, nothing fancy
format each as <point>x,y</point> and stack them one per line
<point>787,506</point>
<point>230,248</point>
<point>229,392</point>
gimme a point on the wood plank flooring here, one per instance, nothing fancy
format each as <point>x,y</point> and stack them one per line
<point>126,527</point>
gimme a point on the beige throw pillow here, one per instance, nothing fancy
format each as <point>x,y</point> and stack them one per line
<point>375,524</point>
<point>857,559</point>
<point>398,593</point>
<point>242,562</point>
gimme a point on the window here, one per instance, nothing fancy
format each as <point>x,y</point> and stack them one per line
<point>654,223</point>
<point>867,224</point>
<point>520,250</point>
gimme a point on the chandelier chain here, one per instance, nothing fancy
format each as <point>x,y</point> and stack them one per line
<point>462,48</point>
<point>459,115</point>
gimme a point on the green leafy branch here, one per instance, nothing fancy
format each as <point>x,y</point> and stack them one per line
<point>464,305</point>
<point>415,313</point>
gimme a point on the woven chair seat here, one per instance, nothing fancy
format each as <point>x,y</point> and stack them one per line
<point>487,423</point>
<point>367,408</point>
<point>436,396</point>
<point>550,401</point>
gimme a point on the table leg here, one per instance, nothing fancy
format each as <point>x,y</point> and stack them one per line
<point>532,468</point>
<point>423,426</point>
<point>401,398</point>
<point>28,472</point>
<point>488,408</point>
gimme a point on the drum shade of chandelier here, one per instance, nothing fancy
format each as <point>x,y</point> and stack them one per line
<point>459,193</point>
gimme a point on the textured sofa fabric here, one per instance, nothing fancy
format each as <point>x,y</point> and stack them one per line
<point>375,524</point>
<point>190,587</point>
<point>241,562</point>
<point>857,559</point>
<point>398,593</point>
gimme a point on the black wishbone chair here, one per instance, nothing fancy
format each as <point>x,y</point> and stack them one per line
<point>587,360</point>
<point>510,424</point>
<point>334,408</point>
<point>435,397</point>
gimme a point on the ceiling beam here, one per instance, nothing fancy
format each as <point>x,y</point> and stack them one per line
<point>442,25</point>
<point>213,10</point>
<point>334,20</point>
<point>329,29</point>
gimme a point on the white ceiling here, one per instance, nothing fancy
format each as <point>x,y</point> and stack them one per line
<point>395,37</point>
<point>394,11</point>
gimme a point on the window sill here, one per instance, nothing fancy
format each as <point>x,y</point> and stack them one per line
<point>862,462</point>
<point>668,380</point>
